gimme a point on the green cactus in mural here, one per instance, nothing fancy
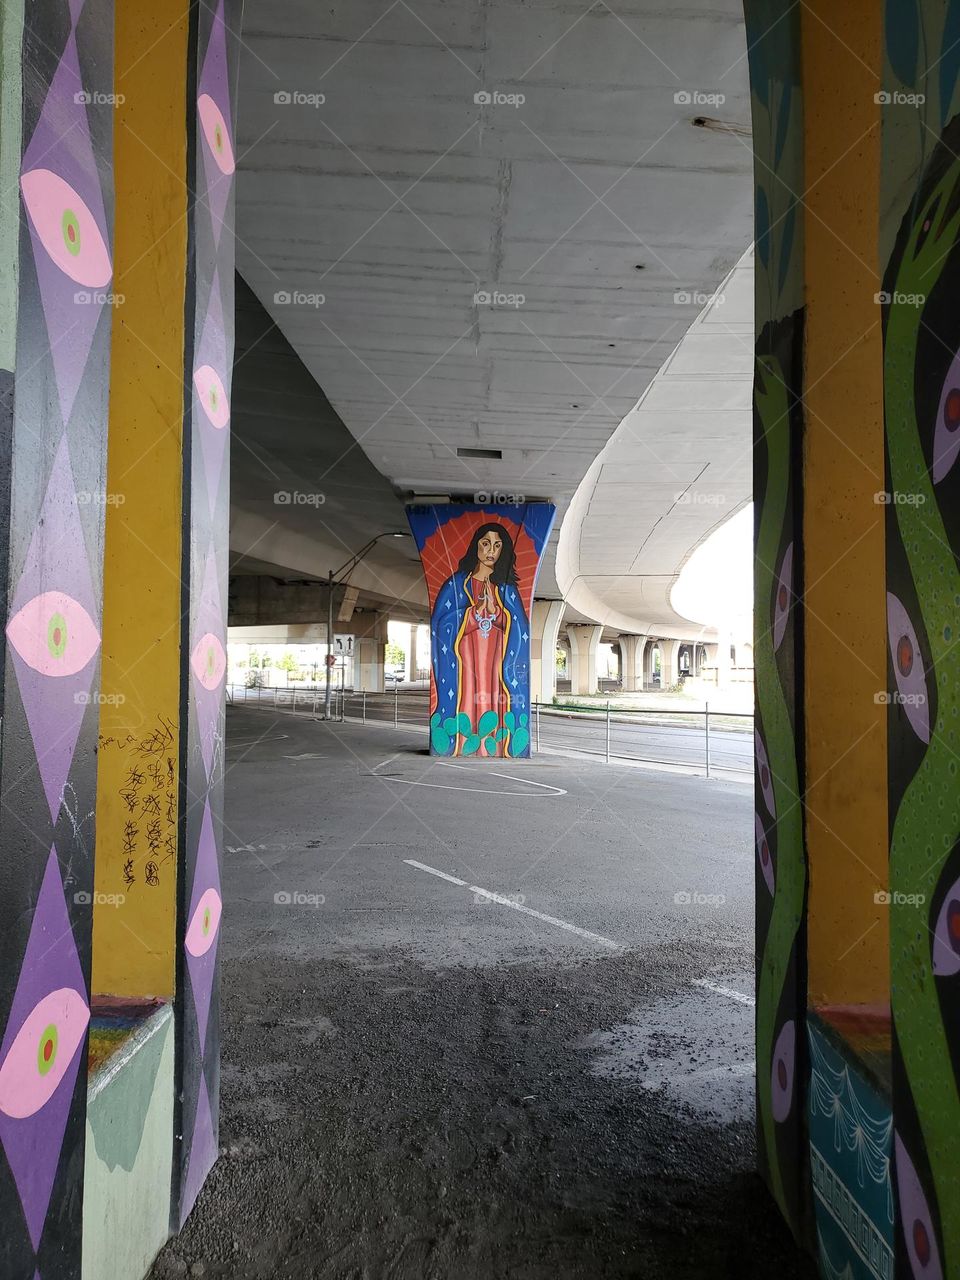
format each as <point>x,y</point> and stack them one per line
<point>927,823</point>
<point>772,400</point>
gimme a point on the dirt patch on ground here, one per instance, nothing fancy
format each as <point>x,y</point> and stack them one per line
<point>386,1120</point>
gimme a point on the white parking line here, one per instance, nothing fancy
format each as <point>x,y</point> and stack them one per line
<point>724,991</point>
<point>516,906</point>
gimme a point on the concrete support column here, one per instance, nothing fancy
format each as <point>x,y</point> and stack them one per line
<point>669,663</point>
<point>410,664</point>
<point>646,665</point>
<point>544,630</point>
<point>584,642</point>
<point>631,662</point>
<point>368,659</point>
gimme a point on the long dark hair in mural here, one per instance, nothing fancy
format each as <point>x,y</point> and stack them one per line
<point>481,566</point>
<point>922,421</point>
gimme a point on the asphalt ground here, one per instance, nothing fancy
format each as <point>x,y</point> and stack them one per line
<point>480,1018</point>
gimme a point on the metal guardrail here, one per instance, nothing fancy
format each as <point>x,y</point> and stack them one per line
<point>706,740</point>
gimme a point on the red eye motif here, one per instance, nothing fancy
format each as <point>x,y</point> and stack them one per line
<point>41,1052</point>
<point>66,227</point>
<point>54,634</point>
<point>763,853</point>
<point>209,661</point>
<point>781,1084</point>
<point>783,597</point>
<point>204,924</point>
<point>946,433</point>
<point>908,667</point>
<point>918,1232</point>
<point>763,770</point>
<point>216,133</point>
<point>213,396</point>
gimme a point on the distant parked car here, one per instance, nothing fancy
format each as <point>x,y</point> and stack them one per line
<point>393,675</point>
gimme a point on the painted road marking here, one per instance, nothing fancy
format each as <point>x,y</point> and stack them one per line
<point>724,991</point>
<point>478,791</point>
<point>306,755</point>
<point>516,906</point>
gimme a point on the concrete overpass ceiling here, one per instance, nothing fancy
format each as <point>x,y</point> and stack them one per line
<point>678,466</point>
<point>403,199</point>
<point>304,498</point>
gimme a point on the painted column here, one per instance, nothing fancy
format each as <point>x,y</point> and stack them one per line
<point>920,253</point>
<point>584,643</point>
<point>211,106</point>
<point>545,627</point>
<point>55,320</point>
<point>481,565</point>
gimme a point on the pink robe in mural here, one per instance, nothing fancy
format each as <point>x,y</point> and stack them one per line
<point>481,658</point>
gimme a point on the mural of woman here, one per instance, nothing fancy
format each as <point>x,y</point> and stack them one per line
<point>481,648</point>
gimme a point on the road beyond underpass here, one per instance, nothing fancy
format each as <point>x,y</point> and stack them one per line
<point>480,1019</point>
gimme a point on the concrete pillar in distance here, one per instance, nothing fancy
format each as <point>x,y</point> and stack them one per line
<point>368,660</point>
<point>669,663</point>
<point>544,629</point>
<point>631,662</point>
<point>584,642</point>
<point>410,661</point>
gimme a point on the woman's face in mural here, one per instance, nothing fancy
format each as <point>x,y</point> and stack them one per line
<point>488,551</point>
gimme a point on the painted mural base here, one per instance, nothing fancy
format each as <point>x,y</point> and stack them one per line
<point>129,1153</point>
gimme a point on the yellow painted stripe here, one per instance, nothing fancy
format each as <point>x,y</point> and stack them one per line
<point>134,943</point>
<point>843,527</point>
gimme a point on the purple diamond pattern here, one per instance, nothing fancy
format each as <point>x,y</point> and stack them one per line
<point>56,560</point>
<point>61,143</point>
<point>206,876</point>
<point>32,1145</point>
<point>203,1150</point>
<point>214,81</point>
<point>209,702</point>
<point>212,351</point>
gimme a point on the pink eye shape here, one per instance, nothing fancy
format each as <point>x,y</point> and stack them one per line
<point>908,667</point>
<point>54,634</point>
<point>946,434</point>
<point>209,661</point>
<point>212,395</point>
<point>918,1232</point>
<point>763,853</point>
<point>216,133</point>
<point>66,227</point>
<point>781,1075</point>
<point>204,924</point>
<point>41,1052</point>
<point>781,603</point>
<point>766,780</point>
<point>946,936</point>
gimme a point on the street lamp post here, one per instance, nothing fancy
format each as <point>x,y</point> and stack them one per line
<point>333,579</point>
